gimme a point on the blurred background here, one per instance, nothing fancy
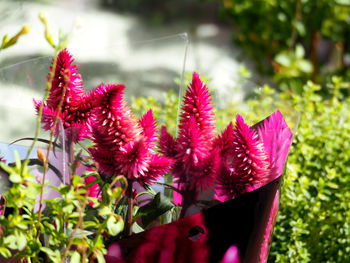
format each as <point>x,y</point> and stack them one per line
<point>256,56</point>
<point>146,46</point>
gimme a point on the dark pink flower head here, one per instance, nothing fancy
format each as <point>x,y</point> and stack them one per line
<point>192,151</point>
<point>167,143</point>
<point>250,160</point>
<point>191,148</point>
<point>76,108</point>
<point>122,144</point>
<point>73,82</point>
<point>197,104</point>
<point>246,168</point>
<point>224,142</point>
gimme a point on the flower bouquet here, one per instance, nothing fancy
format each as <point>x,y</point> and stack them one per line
<point>224,187</point>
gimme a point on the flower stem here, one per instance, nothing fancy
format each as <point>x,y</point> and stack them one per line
<point>189,197</point>
<point>46,162</point>
<point>129,214</point>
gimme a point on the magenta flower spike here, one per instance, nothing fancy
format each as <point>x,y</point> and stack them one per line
<point>197,104</point>
<point>122,144</point>
<point>75,89</point>
<point>76,108</point>
<point>195,161</point>
<point>224,142</point>
<point>167,143</point>
<point>249,158</point>
<point>247,164</point>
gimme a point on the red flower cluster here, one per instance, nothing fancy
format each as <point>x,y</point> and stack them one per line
<point>235,160</point>
<point>244,163</point>
<point>76,108</point>
<point>124,145</point>
<point>195,157</point>
<point>239,160</point>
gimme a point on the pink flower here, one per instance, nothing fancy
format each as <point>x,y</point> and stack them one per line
<point>92,190</point>
<point>231,255</point>
<point>197,104</point>
<point>114,254</point>
<point>195,159</point>
<point>246,166</point>
<point>76,109</point>
<point>224,142</point>
<point>124,145</point>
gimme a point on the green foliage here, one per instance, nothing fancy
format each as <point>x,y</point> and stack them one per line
<point>67,220</point>
<point>166,112</point>
<point>314,217</point>
<point>313,222</point>
<point>271,30</point>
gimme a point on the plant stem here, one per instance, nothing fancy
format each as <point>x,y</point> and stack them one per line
<point>122,193</point>
<point>129,214</point>
<point>77,226</point>
<point>71,158</point>
<point>46,162</point>
<point>188,198</point>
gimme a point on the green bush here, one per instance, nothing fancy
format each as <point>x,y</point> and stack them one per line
<point>270,31</point>
<point>313,222</point>
<point>314,218</point>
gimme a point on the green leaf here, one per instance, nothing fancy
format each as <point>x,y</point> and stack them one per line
<point>299,51</point>
<point>10,242</point>
<point>75,257</point>
<point>100,258</point>
<point>5,252</point>
<point>15,178</point>
<point>114,226</point>
<point>283,59</point>
<point>158,206</point>
<point>21,241</point>
<point>54,255</point>
<point>136,228</point>
<point>305,66</point>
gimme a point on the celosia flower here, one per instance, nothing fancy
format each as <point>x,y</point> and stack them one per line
<point>195,160</point>
<point>76,108</point>
<point>92,190</point>
<point>246,166</point>
<point>122,144</point>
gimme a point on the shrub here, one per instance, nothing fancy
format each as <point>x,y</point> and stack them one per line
<point>314,217</point>
<point>270,31</point>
